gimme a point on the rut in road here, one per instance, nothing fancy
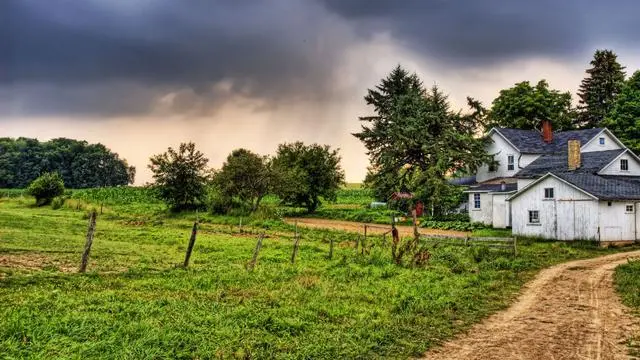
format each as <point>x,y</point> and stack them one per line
<point>569,311</point>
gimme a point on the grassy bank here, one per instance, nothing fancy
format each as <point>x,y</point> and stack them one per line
<point>136,303</point>
<point>627,280</point>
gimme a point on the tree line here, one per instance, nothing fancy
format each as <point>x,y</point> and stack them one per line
<point>415,141</point>
<point>300,175</point>
<point>79,164</point>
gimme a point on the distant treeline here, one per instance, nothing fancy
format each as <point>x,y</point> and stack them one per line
<point>81,165</point>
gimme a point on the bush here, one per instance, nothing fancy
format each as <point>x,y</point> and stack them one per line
<point>58,202</point>
<point>46,187</point>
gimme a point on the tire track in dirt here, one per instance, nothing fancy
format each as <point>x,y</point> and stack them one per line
<point>569,311</point>
<point>356,227</point>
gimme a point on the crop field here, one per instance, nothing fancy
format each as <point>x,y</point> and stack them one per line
<point>135,302</point>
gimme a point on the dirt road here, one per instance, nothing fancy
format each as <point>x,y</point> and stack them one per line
<point>373,229</point>
<point>569,311</point>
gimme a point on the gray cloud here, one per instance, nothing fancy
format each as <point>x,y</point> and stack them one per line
<point>283,48</point>
<point>473,33</point>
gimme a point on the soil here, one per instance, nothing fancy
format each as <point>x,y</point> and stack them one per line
<point>355,227</point>
<point>34,261</point>
<point>569,311</point>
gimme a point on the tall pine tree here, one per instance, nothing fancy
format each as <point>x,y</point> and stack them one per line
<point>415,139</point>
<point>624,118</point>
<point>599,89</point>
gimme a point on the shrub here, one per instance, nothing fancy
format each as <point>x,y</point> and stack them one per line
<point>46,187</point>
<point>58,202</point>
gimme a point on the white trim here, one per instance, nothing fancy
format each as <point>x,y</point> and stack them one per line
<point>597,136</point>
<point>524,189</point>
<point>618,158</point>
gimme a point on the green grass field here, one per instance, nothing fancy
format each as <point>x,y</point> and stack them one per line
<point>135,303</point>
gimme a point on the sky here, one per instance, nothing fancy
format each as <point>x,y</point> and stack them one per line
<point>142,75</point>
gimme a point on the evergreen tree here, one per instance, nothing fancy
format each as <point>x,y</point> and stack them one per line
<point>523,107</point>
<point>415,133</point>
<point>624,118</point>
<point>599,89</point>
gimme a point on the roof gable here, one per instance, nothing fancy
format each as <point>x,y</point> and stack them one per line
<point>592,162</point>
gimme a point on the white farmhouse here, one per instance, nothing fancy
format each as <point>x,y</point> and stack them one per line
<point>513,150</point>
<point>531,165</point>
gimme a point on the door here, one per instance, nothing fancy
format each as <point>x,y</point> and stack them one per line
<point>565,220</point>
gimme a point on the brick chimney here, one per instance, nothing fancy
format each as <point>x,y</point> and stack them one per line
<point>547,131</point>
<point>574,154</point>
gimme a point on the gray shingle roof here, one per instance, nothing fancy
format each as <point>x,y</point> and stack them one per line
<point>592,162</point>
<point>604,187</point>
<point>494,188</point>
<point>530,141</point>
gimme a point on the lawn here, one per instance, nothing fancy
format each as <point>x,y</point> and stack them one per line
<point>136,303</point>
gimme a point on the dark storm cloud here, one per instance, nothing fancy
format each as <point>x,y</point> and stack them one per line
<point>118,57</point>
<point>264,50</point>
<point>477,32</point>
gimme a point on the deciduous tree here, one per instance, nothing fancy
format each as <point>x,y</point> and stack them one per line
<point>306,173</point>
<point>180,176</point>
<point>524,106</point>
<point>246,176</point>
<point>624,117</point>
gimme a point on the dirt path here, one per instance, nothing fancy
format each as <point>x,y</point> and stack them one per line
<point>569,311</point>
<point>374,229</point>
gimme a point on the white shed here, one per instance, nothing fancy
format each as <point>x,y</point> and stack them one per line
<point>564,206</point>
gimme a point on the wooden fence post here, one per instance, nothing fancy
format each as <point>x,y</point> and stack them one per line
<point>256,251</point>
<point>192,242</point>
<point>364,240</point>
<point>331,249</point>
<point>240,226</point>
<point>295,249</point>
<point>89,242</point>
<point>515,248</point>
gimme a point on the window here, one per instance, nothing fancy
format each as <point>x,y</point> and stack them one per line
<point>601,141</point>
<point>493,166</point>
<point>624,164</point>
<point>548,193</point>
<point>534,217</point>
<point>476,201</point>
<point>510,162</point>
<point>629,208</point>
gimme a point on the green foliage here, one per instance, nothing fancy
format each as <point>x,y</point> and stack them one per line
<point>524,107</point>
<point>305,173</point>
<point>81,165</point>
<point>245,176</point>
<point>46,187</point>
<point>58,202</point>
<point>452,225</point>
<point>135,303</point>
<point>415,139</point>
<point>598,91</point>
<point>180,177</point>
<point>624,118</point>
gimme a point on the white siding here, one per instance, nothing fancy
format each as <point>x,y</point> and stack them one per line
<point>527,159</point>
<point>500,149</point>
<point>524,182</point>
<point>501,213</point>
<point>594,144</point>
<point>614,167</point>
<point>615,223</point>
<point>485,213</point>
<point>571,214</point>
